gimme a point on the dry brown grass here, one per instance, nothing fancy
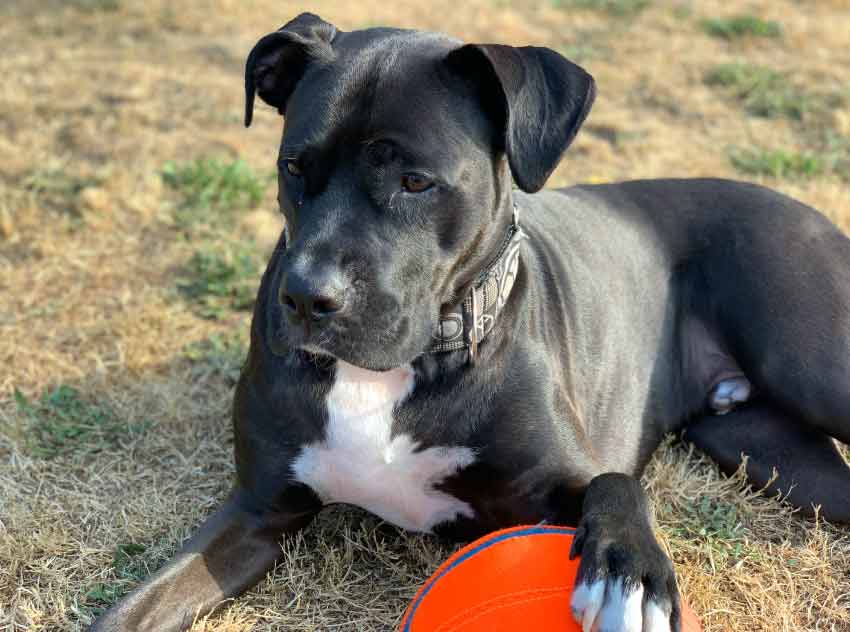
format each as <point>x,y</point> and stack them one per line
<point>100,94</point>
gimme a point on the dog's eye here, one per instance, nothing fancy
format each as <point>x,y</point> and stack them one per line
<point>293,168</point>
<point>416,182</point>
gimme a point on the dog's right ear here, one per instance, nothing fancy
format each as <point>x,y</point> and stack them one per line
<point>278,61</point>
<point>538,98</point>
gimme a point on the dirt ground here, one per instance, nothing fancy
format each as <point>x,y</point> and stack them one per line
<point>135,215</point>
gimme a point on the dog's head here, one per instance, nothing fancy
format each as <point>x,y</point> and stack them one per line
<point>394,175</point>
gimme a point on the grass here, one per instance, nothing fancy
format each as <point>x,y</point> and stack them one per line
<point>129,567</point>
<point>580,53</point>
<point>683,11</point>
<point>58,189</point>
<point>62,422</point>
<point>762,91</point>
<point>221,275</point>
<point>218,279</point>
<point>777,163</point>
<point>717,526</point>
<point>715,520</point>
<point>837,151</point>
<point>741,26</point>
<point>618,8</point>
<point>221,354</point>
<point>97,5</point>
<point>99,597</point>
<point>212,190</point>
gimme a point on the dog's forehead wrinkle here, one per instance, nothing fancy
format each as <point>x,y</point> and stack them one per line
<point>346,100</point>
<point>373,42</point>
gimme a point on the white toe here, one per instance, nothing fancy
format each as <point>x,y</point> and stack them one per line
<point>614,606</point>
<point>656,617</point>
<point>623,607</point>
<point>587,602</point>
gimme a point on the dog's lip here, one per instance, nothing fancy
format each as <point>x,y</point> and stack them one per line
<point>316,350</point>
<point>281,349</point>
<point>320,353</point>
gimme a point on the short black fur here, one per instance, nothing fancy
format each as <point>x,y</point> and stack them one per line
<point>625,295</point>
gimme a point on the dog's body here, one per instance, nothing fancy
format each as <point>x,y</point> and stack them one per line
<point>635,308</point>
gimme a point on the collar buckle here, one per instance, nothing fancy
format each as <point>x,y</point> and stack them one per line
<point>473,332</point>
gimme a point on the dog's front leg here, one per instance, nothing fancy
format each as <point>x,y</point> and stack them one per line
<point>233,549</point>
<point>625,582</point>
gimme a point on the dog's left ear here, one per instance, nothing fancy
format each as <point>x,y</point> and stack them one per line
<point>278,61</point>
<point>539,97</point>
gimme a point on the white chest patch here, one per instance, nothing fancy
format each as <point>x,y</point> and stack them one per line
<point>360,463</point>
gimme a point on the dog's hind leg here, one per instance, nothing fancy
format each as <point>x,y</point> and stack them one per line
<point>811,472</point>
<point>773,285</point>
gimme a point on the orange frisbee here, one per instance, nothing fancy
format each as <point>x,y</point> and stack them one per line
<point>511,580</point>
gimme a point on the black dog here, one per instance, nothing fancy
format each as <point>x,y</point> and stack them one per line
<point>457,356</point>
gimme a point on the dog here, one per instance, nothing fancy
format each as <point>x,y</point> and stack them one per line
<point>457,354</point>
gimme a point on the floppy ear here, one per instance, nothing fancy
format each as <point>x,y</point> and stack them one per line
<point>278,60</point>
<point>539,97</point>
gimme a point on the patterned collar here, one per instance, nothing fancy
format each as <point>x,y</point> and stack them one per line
<point>484,301</point>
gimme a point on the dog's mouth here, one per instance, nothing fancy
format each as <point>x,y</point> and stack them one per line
<point>316,350</point>
<point>324,359</point>
<point>317,354</point>
<point>324,346</point>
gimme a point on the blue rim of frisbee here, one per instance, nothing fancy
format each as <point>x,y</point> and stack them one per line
<point>485,545</point>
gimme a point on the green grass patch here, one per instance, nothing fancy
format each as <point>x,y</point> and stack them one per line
<point>714,526</point>
<point>619,8</point>
<point>62,421</point>
<point>130,568</point>
<point>742,26</point>
<point>777,163</point>
<point>212,189</point>
<point>714,520</point>
<point>221,354</point>
<point>98,5</point>
<point>128,561</point>
<point>220,280</point>
<point>99,597</point>
<point>762,91</point>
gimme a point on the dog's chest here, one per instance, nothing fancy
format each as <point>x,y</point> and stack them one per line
<point>361,463</point>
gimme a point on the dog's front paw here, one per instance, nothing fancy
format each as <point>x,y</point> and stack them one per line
<point>625,581</point>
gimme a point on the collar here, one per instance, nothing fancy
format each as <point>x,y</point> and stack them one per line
<point>468,323</point>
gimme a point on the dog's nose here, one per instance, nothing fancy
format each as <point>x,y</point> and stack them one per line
<point>315,297</point>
